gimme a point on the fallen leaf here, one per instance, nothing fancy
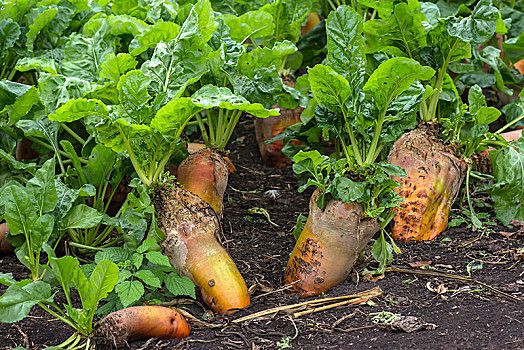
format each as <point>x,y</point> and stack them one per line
<point>423,262</point>
<point>449,267</point>
<point>368,277</point>
<point>508,234</point>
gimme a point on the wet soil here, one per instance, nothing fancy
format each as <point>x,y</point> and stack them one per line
<point>466,315</point>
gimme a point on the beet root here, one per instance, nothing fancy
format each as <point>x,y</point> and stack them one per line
<point>328,246</point>
<point>205,173</point>
<point>5,246</point>
<point>434,176</point>
<point>191,225</point>
<point>140,322</point>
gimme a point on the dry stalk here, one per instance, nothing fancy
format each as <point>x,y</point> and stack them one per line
<point>333,302</point>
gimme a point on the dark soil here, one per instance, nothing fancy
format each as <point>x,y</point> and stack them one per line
<point>467,316</point>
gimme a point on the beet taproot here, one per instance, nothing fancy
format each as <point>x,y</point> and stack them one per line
<point>139,322</point>
<point>434,175</point>
<point>191,226</point>
<point>328,246</point>
<point>205,173</point>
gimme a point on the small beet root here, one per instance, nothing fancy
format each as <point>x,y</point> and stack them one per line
<point>267,128</point>
<point>270,127</point>
<point>5,246</point>
<point>139,322</point>
<point>434,176</point>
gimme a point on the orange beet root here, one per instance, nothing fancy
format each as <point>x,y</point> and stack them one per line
<point>267,128</point>
<point>205,173</point>
<point>5,246</point>
<point>191,225</point>
<point>139,322</point>
<point>328,246</point>
<point>434,176</point>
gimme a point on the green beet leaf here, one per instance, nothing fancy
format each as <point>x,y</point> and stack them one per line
<point>38,63</point>
<point>402,34</point>
<point>182,61</point>
<point>16,100</point>
<point>392,78</point>
<point>115,66</point>
<point>9,34</point>
<point>37,19</point>
<point>251,25</point>
<point>102,281</point>
<point>41,188</point>
<point>479,27</point>
<point>19,298</point>
<point>84,55</point>
<point>331,90</point>
<point>159,32</point>
<point>56,90</point>
<point>345,42</point>
<point>288,17</point>
<point>81,216</point>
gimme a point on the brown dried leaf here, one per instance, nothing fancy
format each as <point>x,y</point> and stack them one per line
<point>420,263</point>
<point>368,277</point>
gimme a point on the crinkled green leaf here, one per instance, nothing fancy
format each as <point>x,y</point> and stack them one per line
<point>37,19</point>
<point>115,66</point>
<point>211,96</point>
<point>106,93</point>
<point>265,57</point>
<point>253,24</point>
<point>174,116</point>
<point>345,42</point>
<point>403,30</point>
<point>16,100</point>
<point>9,34</point>
<point>347,190</point>
<point>56,90</point>
<point>79,109</point>
<point>160,31</point>
<point>39,63</point>
<point>383,7</point>
<point>479,27</point>
<point>288,18</point>
<point>182,61</point>
<point>393,77</point>
<point>331,90</point>
<point>134,97</point>
<point>84,55</point>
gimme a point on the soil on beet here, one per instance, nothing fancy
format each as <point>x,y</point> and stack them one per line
<point>466,315</point>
